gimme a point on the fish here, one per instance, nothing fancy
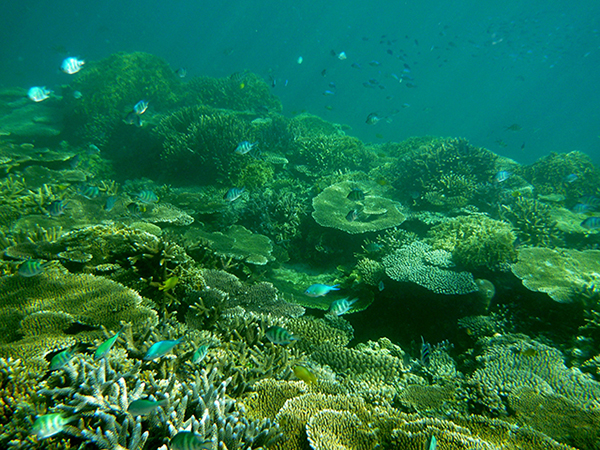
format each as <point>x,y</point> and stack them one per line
<point>581,208</point>
<point>279,336</point>
<point>431,443</point>
<point>372,247</point>
<point>356,194</point>
<point>31,268</point>
<point>56,208</point>
<point>92,150</point>
<point>356,66</point>
<point>161,348</point>
<point>372,118</point>
<point>200,354</point>
<point>342,56</point>
<point>374,63</point>
<point>501,176</point>
<point>233,194</point>
<point>77,94</point>
<point>133,119</point>
<point>111,201</point>
<point>38,93</point>
<point>328,92</point>
<point>104,348</point>
<point>319,290</point>
<point>71,65</point>
<point>245,147</point>
<point>188,440</point>
<point>571,178</point>
<point>181,72</point>
<point>88,191</point>
<point>425,352</point>
<point>147,197</point>
<point>304,374</point>
<point>61,359</point>
<point>341,306</point>
<point>352,215</point>
<point>143,407</point>
<point>49,425</point>
<point>591,223</point>
<point>381,286</point>
<point>513,127</point>
<point>140,107</point>
<point>168,284</point>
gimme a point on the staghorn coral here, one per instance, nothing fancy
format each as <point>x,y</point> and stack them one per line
<point>374,213</point>
<point>549,176</point>
<point>510,363</point>
<point>330,429</point>
<point>240,91</point>
<point>443,172</point>
<point>419,263</point>
<point>203,137</point>
<point>563,274</point>
<point>532,221</point>
<point>475,241</point>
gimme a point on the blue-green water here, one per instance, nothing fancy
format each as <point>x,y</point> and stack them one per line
<point>479,66</point>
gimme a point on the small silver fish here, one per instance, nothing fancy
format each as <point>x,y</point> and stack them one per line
<point>181,72</point>
<point>188,440</point>
<point>501,176</point>
<point>31,268</point>
<point>372,119</point>
<point>147,196</point>
<point>140,107</point>
<point>71,65</point>
<point>133,119</point>
<point>38,93</point>
<point>56,208</point>
<point>245,147</point>
<point>143,407</point>
<point>200,354</point>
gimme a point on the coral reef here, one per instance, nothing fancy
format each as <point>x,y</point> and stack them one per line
<point>475,241</point>
<point>532,221</point>
<point>419,263</point>
<point>334,209</point>
<point>563,274</point>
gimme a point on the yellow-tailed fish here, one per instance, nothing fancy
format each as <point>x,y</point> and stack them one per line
<point>304,374</point>
<point>143,407</point>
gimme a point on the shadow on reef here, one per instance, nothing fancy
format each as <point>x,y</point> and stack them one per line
<point>156,271</point>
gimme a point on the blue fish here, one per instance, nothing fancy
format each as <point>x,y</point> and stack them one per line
<point>591,223</point>
<point>319,290</point>
<point>161,348</point>
<point>245,147</point>
<point>104,348</point>
<point>143,407</point>
<point>280,336</point>
<point>140,107</point>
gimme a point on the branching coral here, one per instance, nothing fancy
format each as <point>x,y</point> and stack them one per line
<point>532,221</point>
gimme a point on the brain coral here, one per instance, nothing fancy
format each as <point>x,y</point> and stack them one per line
<point>560,273</point>
<point>373,213</point>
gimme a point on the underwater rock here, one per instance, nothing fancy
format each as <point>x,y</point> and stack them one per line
<point>373,213</point>
<point>563,274</point>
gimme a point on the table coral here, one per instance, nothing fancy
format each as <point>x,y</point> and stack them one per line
<point>419,263</point>
<point>563,274</point>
